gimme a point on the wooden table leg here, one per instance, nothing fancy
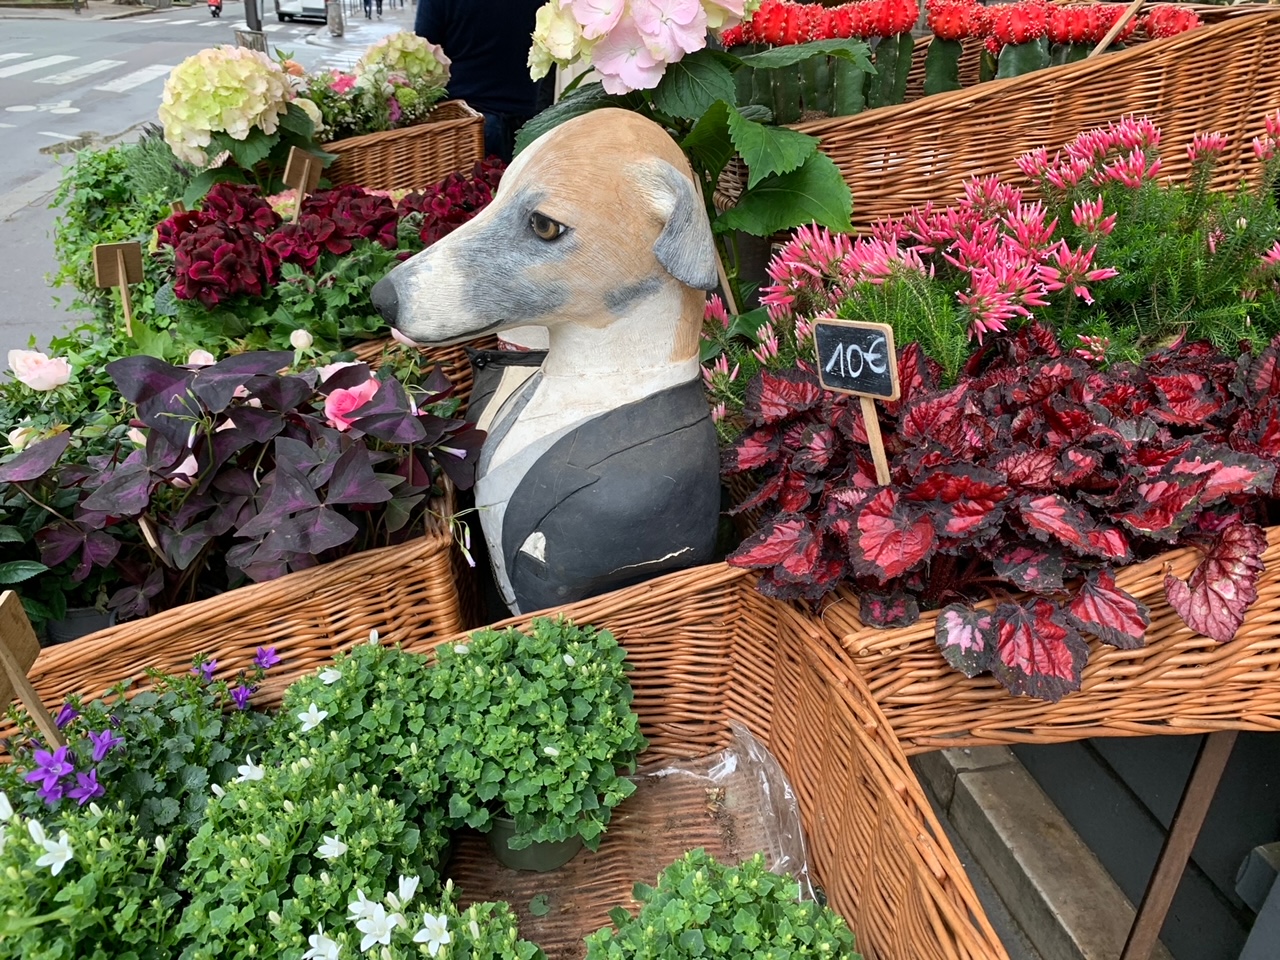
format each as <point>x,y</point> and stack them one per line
<point>1183,832</point>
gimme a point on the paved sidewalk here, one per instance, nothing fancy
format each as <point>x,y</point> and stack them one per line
<point>89,10</point>
<point>360,33</point>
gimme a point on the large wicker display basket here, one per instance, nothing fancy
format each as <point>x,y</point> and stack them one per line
<point>706,649</point>
<point>416,591</point>
<point>453,360</point>
<point>1224,77</point>
<point>1179,683</point>
<point>450,141</point>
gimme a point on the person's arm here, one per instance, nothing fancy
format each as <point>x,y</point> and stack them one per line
<point>432,22</point>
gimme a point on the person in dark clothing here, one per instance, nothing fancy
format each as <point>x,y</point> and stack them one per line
<point>488,42</point>
<point>368,9</point>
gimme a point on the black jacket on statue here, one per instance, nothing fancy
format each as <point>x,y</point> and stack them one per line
<point>488,42</point>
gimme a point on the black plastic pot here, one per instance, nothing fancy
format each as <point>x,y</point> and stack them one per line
<point>538,857</point>
<point>79,622</point>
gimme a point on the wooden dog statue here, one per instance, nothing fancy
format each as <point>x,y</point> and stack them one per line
<point>601,469</point>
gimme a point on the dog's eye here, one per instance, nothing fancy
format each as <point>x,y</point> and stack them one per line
<point>545,227</point>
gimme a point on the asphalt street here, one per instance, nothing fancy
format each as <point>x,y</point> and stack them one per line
<point>65,82</point>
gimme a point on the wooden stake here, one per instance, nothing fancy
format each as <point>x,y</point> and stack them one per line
<point>1119,25</point>
<point>302,173</point>
<point>18,651</point>
<point>177,207</point>
<point>125,301</point>
<point>872,422</point>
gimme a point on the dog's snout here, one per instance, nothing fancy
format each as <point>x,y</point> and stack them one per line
<point>385,299</point>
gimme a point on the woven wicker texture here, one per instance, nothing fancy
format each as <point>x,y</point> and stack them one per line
<point>706,648</point>
<point>457,367</point>
<point>451,140</point>
<point>1179,683</point>
<point>410,593</point>
<point>1224,77</point>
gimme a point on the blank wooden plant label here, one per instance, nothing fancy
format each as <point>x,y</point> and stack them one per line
<point>18,651</point>
<point>118,265</point>
<point>302,173</point>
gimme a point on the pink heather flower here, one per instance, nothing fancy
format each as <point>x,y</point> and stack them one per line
<point>1069,173</point>
<point>1264,148</point>
<point>1272,123</point>
<point>768,348</point>
<point>1215,237</point>
<point>717,413</point>
<point>989,196</point>
<point>715,311</point>
<point>596,17</point>
<point>1131,170</point>
<point>1074,268</point>
<point>1092,146</point>
<point>1271,259</point>
<point>987,306</point>
<point>1087,215</point>
<point>341,403</point>
<point>1206,147</point>
<point>1136,133</point>
<point>1092,348</point>
<point>625,62</point>
<point>1030,232</point>
<point>671,28</point>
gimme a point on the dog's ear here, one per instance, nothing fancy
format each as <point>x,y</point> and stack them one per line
<point>685,247</point>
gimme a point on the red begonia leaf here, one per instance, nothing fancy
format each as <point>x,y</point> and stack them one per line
<point>1154,455</point>
<point>914,378</point>
<point>1054,516</point>
<point>754,449</point>
<point>1258,375</point>
<point>795,495</point>
<point>1067,422</point>
<point>1109,613</point>
<point>773,397</point>
<point>763,494</point>
<point>889,537</point>
<point>1228,473</point>
<point>1058,378</point>
<point>801,563</point>
<point>816,448</point>
<point>887,609</point>
<point>1037,568</point>
<point>1165,507</point>
<point>973,498</point>
<point>827,573</point>
<point>1186,398</point>
<point>1076,465</point>
<point>1109,542</point>
<point>966,638</point>
<point>1036,652</point>
<point>935,417</point>
<point>773,542</point>
<point>1214,600</point>
<point>1027,468</point>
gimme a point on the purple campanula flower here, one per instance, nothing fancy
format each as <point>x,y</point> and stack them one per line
<point>266,658</point>
<point>87,787</point>
<point>205,670</point>
<point>66,715</point>
<point>50,794</point>
<point>50,767</point>
<point>241,695</point>
<point>103,743</point>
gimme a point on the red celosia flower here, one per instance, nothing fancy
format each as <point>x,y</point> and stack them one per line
<point>1020,22</point>
<point>1166,20</point>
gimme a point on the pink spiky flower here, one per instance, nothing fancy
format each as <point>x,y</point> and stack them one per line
<point>988,307</point>
<point>1035,163</point>
<point>1271,259</point>
<point>716,312</point>
<point>1030,232</point>
<point>718,413</point>
<point>1087,215</point>
<point>1207,147</point>
<point>1092,348</point>
<point>990,196</point>
<point>1069,173</point>
<point>1272,124</point>
<point>768,348</point>
<point>1136,133</point>
<point>1074,268</point>
<point>1132,170</point>
<point>1264,148</point>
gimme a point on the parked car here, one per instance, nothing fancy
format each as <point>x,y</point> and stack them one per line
<point>287,10</point>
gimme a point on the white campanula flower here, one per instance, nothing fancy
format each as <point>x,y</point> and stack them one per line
<point>435,932</point>
<point>569,661</point>
<point>56,852</point>
<point>330,676</point>
<point>461,649</point>
<point>332,848</point>
<point>475,929</point>
<point>373,636</point>
<point>249,771</point>
<point>6,808</point>
<point>322,948</point>
<point>360,907</point>
<point>551,751</point>
<point>36,831</point>
<point>4,837</point>
<point>312,717</point>
<point>408,887</point>
<point>376,925</point>
<point>218,791</point>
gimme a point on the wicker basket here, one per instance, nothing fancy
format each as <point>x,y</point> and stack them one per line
<point>707,648</point>
<point>451,140</point>
<point>457,367</point>
<point>1222,77</point>
<point>1178,683</point>
<point>412,592</point>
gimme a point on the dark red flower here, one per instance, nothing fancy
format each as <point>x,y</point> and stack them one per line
<point>303,241</point>
<point>169,232</point>
<point>240,205</point>
<point>217,261</point>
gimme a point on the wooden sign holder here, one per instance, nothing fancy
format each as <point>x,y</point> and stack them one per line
<point>1129,13</point>
<point>118,265</point>
<point>302,173</point>
<point>867,400</point>
<point>177,207</point>
<point>18,651</point>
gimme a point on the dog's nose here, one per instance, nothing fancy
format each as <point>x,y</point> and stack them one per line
<point>385,300</point>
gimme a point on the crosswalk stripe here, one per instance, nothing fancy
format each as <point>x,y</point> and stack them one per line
<point>213,23</point>
<point>7,126</point>
<point>155,20</point>
<point>79,73</point>
<point>13,56</point>
<point>136,79</point>
<point>18,68</point>
<point>272,27</point>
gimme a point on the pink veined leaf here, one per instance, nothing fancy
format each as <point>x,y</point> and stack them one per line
<point>887,609</point>
<point>966,638</point>
<point>1027,468</point>
<point>773,543</point>
<point>1259,376</point>
<point>1189,398</point>
<point>966,499</point>
<point>1036,653</point>
<point>935,417</point>
<point>1109,613</point>
<point>1035,568</point>
<point>755,448</point>
<point>801,564</point>
<point>1227,472</point>
<point>1167,506</point>
<point>817,447</point>
<point>1052,515</point>
<point>1213,601</point>
<point>888,538</point>
<point>766,492</point>
<point>773,397</point>
<point>1109,542</point>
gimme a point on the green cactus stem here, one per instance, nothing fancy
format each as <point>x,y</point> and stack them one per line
<point>942,66</point>
<point>893,65</point>
<point>1019,58</point>
<point>986,66</point>
<point>744,77</point>
<point>815,86</point>
<point>1069,53</point>
<point>761,88</point>
<point>786,94</point>
<point>848,85</point>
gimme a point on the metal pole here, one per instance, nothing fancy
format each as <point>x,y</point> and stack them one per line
<point>252,16</point>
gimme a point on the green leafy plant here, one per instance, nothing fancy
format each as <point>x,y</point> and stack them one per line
<point>702,908</point>
<point>535,727</point>
<point>95,882</point>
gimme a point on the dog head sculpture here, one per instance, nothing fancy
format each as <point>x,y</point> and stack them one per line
<point>595,219</point>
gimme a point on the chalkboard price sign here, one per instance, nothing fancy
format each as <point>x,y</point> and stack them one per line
<point>857,358</point>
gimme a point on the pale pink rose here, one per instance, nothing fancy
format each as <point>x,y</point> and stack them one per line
<point>184,472</point>
<point>625,62</point>
<point>201,358</point>
<point>38,371</point>
<point>671,28</point>
<point>137,436</point>
<point>339,405</point>
<point>597,17</point>
<point>329,369</point>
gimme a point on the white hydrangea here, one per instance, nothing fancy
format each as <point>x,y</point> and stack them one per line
<point>407,54</point>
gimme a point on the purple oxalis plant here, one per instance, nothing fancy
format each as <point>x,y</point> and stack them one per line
<point>1015,495</point>
<point>247,473</point>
